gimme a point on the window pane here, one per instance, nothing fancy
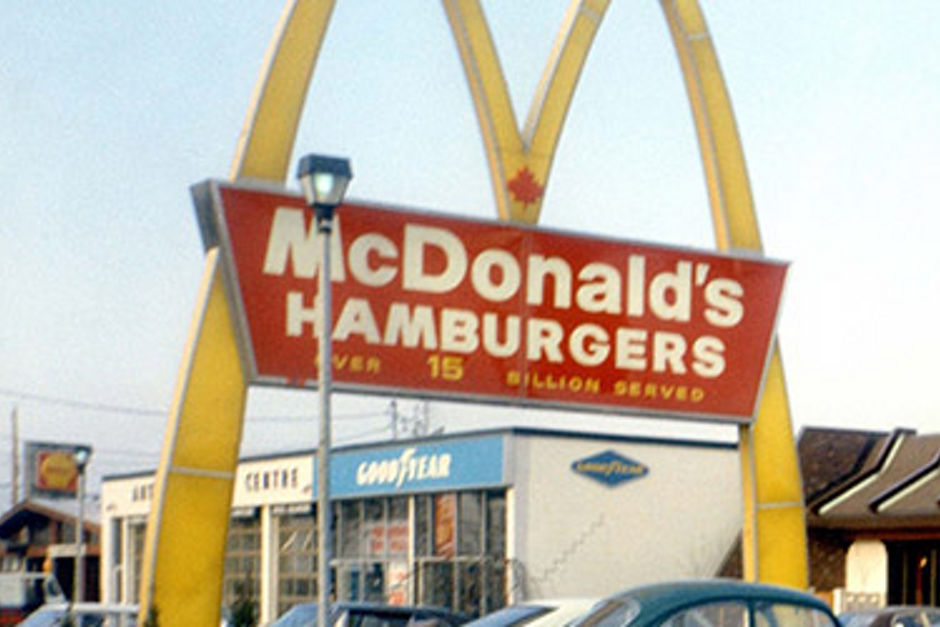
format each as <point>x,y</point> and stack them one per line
<point>496,524</point>
<point>350,545</point>
<point>445,524</point>
<point>470,593</point>
<point>494,581</point>
<point>422,525</point>
<point>437,583</point>
<point>242,562</point>
<point>398,537</point>
<point>374,588</point>
<point>296,559</point>
<point>727,614</point>
<point>470,527</point>
<point>786,615</point>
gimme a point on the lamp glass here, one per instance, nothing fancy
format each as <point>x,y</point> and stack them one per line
<point>81,456</point>
<point>329,188</point>
<point>324,179</point>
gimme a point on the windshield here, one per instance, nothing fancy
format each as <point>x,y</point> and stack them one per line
<point>54,617</point>
<point>306,615</point>
<point>618,612</point>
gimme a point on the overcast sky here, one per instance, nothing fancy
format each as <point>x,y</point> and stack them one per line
<point>109,111</point>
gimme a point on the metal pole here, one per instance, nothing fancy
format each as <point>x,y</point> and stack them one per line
<point>324,372</point>
<point>15,493</point>
<point>79,593</point>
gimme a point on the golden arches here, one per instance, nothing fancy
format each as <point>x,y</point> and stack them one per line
<point>519,164</point>
<point>184,548</point>
<point>774,530</point>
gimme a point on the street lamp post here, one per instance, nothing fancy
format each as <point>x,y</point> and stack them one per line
<point>81,455</point>
<point>324,181</point>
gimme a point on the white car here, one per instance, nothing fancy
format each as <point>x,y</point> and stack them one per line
<point>83,615</point>
<point>541,613</point>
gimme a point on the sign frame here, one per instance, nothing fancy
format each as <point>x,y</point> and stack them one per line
<point>216,233</point>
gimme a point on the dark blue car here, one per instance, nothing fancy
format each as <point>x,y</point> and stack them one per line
<point>710,603</point>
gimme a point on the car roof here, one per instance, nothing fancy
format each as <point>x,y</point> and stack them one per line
<point>305,611</point>
<point>88,606</point>
<point>368,605</point>
<point>676,594</point>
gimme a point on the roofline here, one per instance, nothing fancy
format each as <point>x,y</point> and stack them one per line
<point>842,491</point>
<point>912,481</point>
<point>460,435</point>
<point>48,512</point>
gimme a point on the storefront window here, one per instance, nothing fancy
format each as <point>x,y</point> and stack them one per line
<point>423,525</point>
<point>296,559</point>
<point>471,523</point>
<point>372,564</point>
<point>398,527</point>
<point>913,569</point>
<point>374,537</point>
<point>496,524</point>
<point>242,576</point>
<point>445,524</point>
<point>462,565</point>
<point>458,555</point>
<point>350,528</point>
<point>137,533</point>
<point>436,584</point>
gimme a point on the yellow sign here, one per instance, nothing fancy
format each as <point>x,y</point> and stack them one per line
<point>57,470</point>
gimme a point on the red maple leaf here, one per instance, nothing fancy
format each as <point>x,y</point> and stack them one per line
<point>525,188</point>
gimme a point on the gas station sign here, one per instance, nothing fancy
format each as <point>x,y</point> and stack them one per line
<point>444,306</point>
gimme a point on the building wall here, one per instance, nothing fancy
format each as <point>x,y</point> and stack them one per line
<point>567,532</point>
<point>866,575</point>
<point>827,550</point>
<point>577,536</point>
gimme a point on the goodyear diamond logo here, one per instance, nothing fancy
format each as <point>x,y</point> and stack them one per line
<point>610,468</point>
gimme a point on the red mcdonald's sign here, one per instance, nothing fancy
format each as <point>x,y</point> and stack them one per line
<point>437,305</point>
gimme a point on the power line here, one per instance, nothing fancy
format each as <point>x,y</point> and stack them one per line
<point>140,411</point>
<point>356,436</point>
<point>77,404</point>
<point>298,417</point>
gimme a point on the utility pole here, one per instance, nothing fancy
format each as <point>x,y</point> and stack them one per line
<point>15,480</point>
<point>421,419</point>
<point>393,417</point>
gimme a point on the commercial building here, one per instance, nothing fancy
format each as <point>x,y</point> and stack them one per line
<point>470,521</point>
<point>872,515</point>
<point>38,535</point>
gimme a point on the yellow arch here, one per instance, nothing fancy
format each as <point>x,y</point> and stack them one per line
<point>188,522</point>
<point>511,154</point>
<point>774,534</point>
<point>184,548</point>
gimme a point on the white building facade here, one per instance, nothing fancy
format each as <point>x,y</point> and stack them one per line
<point>470,521</point>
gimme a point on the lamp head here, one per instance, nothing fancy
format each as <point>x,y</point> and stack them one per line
<point>324,180</point>
<point>81,455</point>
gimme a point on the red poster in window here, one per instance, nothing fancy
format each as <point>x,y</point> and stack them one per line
<point>445,525</point>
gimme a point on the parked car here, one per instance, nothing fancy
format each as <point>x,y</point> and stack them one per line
<point>893,616</point>
<point>710,603</point>
<point>83,615</point>
<point>344,614</point>
<point>22,592</point>
<point>541,613</point>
